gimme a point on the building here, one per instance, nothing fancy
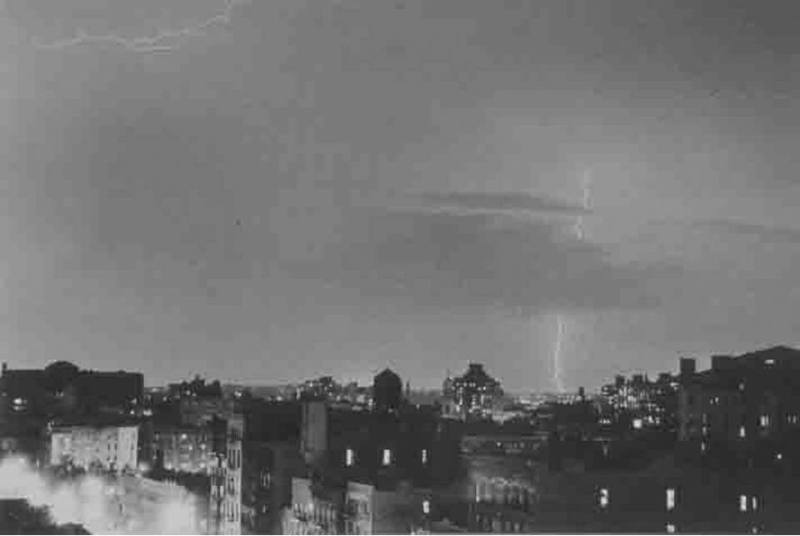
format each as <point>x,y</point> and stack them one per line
<point>62,389</point>
<point>183,448</point>
<point>367,471</point>
<point>110,448</point>
<point>474,393</point>
<point>225,503</point>
<point>744,409</point>
<point>322,388</point>
<point>369,510</point>
<point>638,403</point>
<point>196,388</point>
<point>271,457</point>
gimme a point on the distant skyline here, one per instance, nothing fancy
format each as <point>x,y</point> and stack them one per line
<point>273,191</point>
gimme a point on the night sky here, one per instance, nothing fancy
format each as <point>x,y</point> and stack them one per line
<point>271,190</point>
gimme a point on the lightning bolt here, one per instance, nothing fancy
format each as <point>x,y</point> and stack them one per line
<point>162,41</point>
<point>577,228</point>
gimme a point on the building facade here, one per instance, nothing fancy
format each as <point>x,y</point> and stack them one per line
<point>474,393</point>
<point>111,448</point>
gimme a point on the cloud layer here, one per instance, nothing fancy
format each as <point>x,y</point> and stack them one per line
<point>764,233</point>
<point>510,202</point>
<point>456,261</point>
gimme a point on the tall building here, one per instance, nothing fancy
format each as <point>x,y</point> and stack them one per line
<point>475,392</point>
<point>747,407</point>
<point>225,502</point>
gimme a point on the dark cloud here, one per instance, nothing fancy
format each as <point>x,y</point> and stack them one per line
<point>451,261</point>
<point>764,233</point>
<point>499,202</point>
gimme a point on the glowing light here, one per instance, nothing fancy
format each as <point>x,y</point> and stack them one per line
<point>162,41</point>
<point>604,498</point>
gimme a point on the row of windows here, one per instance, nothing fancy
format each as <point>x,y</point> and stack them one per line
<point>234,458</point>
<point>493,524</point>
<point>746,503</point>
<point>386,457</point>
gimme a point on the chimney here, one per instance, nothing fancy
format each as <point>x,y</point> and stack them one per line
<point>687,367</point>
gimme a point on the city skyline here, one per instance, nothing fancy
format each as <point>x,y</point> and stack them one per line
<point>285,190</point>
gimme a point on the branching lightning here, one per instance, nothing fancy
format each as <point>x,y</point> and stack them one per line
<point>577,228</point>
<point>163,41</point>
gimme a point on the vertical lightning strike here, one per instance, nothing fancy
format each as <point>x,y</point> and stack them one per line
<point>162,41</point>
<point>577,228</point>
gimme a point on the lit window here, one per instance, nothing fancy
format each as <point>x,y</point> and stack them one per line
<point>604,496</point>
<point>754,502</point>
<point>779,456</point>
<point>637,424</point>
<point>742,432</point>
<point>764,421</point>
<point>387,456</point>
<point>426,507</point>
<point>703,446</point>
<point>743,503</point>
<point>349,457</point>
<point>769,362</point>
<point>670,499</point>
<point>424,455</point>
<point>670,528</point>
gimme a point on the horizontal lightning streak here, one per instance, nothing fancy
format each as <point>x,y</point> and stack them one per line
<point>163,41</point>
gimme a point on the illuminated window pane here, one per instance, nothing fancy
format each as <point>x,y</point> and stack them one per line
<point>743,503</point>
<point>349,457</point>
<point>754,502</point>
<point>426,507</point>
<point>670,498</point>
<point>742,432</point>
<point>670,528</point>
<point>604,497</point>
<point>387,456</point>
<point>764,421</point>
<point>424,455</point>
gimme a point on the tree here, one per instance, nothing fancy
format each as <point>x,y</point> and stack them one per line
<point>17,516</point>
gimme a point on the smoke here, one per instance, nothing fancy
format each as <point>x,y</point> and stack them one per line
<point>121,505</point>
